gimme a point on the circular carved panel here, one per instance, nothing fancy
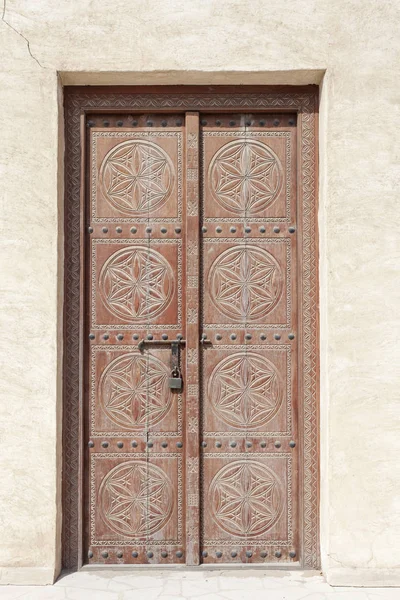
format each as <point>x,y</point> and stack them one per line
<point>134,391</point>
<point>136,284</point>
<point>137,177</point>
<point>245,283</point>
<point>245,390</point>
<point>245,177</point>
<point>245,498</point>
<point>136,498</point>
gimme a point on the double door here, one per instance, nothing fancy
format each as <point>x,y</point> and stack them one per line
<point>191,356</point>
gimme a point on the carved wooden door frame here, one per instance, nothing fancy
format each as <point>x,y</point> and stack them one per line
<point>79,102</point>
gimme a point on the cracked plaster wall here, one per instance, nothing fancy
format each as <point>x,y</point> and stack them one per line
<point>210,41</point>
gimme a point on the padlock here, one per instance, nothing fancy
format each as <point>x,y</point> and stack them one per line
<point>175,382</point>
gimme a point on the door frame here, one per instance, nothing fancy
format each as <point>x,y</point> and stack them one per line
<point>78,102</point>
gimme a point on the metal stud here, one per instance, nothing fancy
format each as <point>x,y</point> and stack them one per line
<point>164,444</point>
<point>232,229</point>
<point>232,123</point>
<point>263,444</point>
<point>134,554</point>
<point>179,336</point>
<point>218,122</point>
<point>218,444</point>
<point>179,444</point>
<point>203,122</point>
<point>106,123</point>
<point>204,444</point>
<point>90,554</point>
<point>91,123</point>
<point>277,230</point>
<point>105,230</point>
<point>262,229</point>
<point>262,123</point>
<point>218,336</point>
<point>150,444</point>
<point>106,336</point>
<point>204,554</point>
<point>104,444</point>
<point>134,123</point>
<point>218,229</point>
<point>249,444</point>
<point>120,554</point>
<point>248,123</point>
<point>133,230</point>
<point>120,123</point>
<point>218,554</point>
<point>277,336</point>
<point>134,444</point>
<point>292,444</point>
<point>292,554</point>
<point>179,554</point>
<point>163,230</point>
<point>90,229</point>
<point>233,444</point>
<point>91,336</point>
<point>233,554</point>
<point>164,554</point>
<point>263,554</point>
<point>292,229</point>
<point>178,229</point>
<point>247,229</point>
<point>233,336</point>
<point>150,555</point>
<point>148,230</point>
<point>149,123</point>
<point>277,444</point>
<point>150,336</point>
<point>278,554</point>
<point>135,336</point>
<point>164,336</point>
<point>118,229</point>
<point>164,123</point>
<point>90,444</point>
<point>248,336</point>
<point>249,554</point>
<point>104,554</point>
<point>120,337</point>
<point>291,122</point>
<point>204,229</point>
<point>179,123</point>
<point>276,122</point>
<point>263,337</point>
<point>120,444</point>
<point>291,336</point>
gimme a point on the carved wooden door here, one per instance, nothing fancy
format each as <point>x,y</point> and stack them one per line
<point>192,237</point>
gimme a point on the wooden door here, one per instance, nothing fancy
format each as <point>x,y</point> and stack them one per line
<point>192,236</point>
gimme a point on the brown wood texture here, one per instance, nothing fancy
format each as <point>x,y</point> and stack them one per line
<point>191,212</point>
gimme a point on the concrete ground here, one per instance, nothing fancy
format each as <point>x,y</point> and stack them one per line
<point>127,584</point>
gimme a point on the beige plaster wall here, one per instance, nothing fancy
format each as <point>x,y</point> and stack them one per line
<point>210,41</point>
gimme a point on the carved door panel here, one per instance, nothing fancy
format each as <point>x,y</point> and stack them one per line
<point>249,398</point>
<point>192,236</point>
<point>135,471</point>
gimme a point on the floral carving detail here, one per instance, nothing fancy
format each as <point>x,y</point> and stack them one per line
<point>136,284</point>
<point>245,283</point>
<point>245,390</point>
<point>136,498</point>
<point>137,177</point>
<point>245,498</point>
<point>245,177</point>
<point>134,391</point>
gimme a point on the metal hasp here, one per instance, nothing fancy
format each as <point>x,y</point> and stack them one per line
<point>175,382</point>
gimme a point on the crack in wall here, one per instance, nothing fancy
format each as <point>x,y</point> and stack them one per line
<point>20,34</point>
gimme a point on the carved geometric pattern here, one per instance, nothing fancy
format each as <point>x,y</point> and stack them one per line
<point>245,176</point>
<point>245,283</point>
<point>134,390</point>
<point>137,177</point>
<point>245,498</point>
<point>136,498</point>
<point>245,390</point>
<point>136,284</point>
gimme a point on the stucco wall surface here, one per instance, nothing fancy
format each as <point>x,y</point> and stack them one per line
<point>354,48</point>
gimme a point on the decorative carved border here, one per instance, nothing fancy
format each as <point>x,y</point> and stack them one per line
<point>78,102</point>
